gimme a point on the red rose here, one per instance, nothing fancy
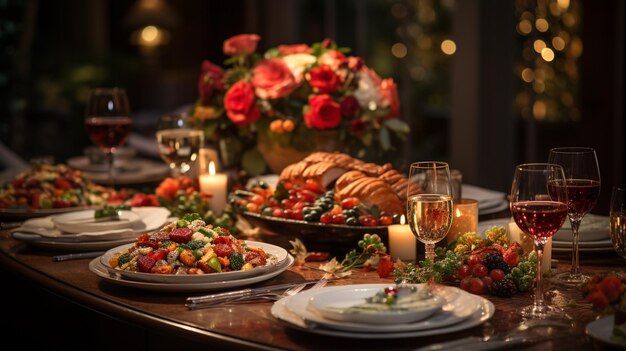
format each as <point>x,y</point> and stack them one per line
<point>326,43</point>
<point>354,63</point>
<point>612,288</point>
<point>210,80</point>
<point>272,79</point>
<point>294,49</point>
<point>389,95</point>
<point>242,44</point>
<point>349,106</point>
<point>323,79</point>
<point>240,105</point>
<point>332,58</point>
<point>324,113</point>
<point>358,127</point>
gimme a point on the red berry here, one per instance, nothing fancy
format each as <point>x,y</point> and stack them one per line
<point>465,283</point>
<point>463,271</point>
<point>496,274</point>
<point>472,260</point>
<point>385,220</point>
<point>479,270</point>
<point>338,219</point>
<point>313,186</point>
<point>349,202</point>
<point>487,281</point>
<point>476,286</point>
<point>326,217</point>
<point>278,212</point>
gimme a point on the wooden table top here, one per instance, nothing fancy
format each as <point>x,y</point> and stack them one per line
<point>251,326</point>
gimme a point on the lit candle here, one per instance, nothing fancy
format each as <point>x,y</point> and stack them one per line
<point>464,218</point>
<point>216,185</point>
<point>516,234</point>
<point>401,241</point>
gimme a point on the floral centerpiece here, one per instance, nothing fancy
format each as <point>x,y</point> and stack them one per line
<point>298,98</point>
<point>607,293</point>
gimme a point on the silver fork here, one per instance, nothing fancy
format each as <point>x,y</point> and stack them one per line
<point>276,296</point>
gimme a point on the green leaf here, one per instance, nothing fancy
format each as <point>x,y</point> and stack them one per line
<point>271,53</point>
<point>397,125</point>
<point>253,162</point>
<point>385,142</point>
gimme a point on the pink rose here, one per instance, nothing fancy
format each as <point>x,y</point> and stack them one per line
<point>389,95</point>
<point>349,106</point>
<point>240,105</point>
<point>324,113</point>
<point>354,63</point>
<point>294,49</point>
<point>332,58</point>
<point>210,80</point>
<point>242,44</point>
<point>272,79</point>
<point>323,79</point>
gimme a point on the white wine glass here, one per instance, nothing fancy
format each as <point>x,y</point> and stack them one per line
<point>618,219</point>
<point>539,208</point>
<point>429,203</point>
<point>108,122</point>
<point>179,140</point>
<point>582,176</point>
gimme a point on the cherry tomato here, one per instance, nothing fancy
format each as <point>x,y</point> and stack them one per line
<point>313,186</point>
<point>350,202</point>
<point>385,220</point>
<point>338,219</point>
<point>465,283</point>
<point>257,199</point>
<point>326,217</point>
<point>476,286</point>
<point>479,270</point>
<point>496,274</point>
<point>472,260</point>
<point>368,220</point>
<point>252,207</point>
<point>463,271</point>
<point>486,282</point>
<point>278,212</point>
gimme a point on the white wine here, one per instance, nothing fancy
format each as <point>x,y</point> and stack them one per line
<point>618,233</point>
<point>430,216</point>
<point>179,147</point>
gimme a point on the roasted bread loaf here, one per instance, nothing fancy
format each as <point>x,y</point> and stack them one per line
<point>373,184</point>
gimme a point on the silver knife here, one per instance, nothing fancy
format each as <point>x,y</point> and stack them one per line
<point>244,292</point>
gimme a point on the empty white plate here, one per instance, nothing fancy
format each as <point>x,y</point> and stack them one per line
<point>85,221</point>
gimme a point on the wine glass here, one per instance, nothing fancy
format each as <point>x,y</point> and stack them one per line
<point>582,175</point>
<point>618,219</point>
<point>539,208</point>
<point>429,203</point>
<point>108,121</point>
<point>179,140</point>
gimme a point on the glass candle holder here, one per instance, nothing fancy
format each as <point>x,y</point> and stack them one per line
<point>464,218</point>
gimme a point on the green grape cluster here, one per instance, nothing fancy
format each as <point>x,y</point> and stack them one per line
<point>372,243</point>
<point>524,274</point>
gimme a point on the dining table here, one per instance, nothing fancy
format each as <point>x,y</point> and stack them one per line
<point>64,304</point>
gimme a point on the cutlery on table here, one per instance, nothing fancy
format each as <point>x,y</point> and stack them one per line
<point>519,336</point>
<point>273,292</point>
<point>76,256</point>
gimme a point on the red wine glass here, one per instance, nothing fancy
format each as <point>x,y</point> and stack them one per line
<point>108,122</point>
<point>539,208</point>
<point>582,177</point>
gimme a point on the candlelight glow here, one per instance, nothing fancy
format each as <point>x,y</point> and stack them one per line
<point>457,213</point>
<point>402,219</point>
<point>212,168</point>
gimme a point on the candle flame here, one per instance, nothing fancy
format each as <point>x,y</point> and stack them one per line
<point>402,219</point>
<point>457,212</point>
<point>212,168</point>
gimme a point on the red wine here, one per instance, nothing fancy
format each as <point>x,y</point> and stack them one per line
<point>582,195</point>
<point>539,219</point>
<point>108,132</point>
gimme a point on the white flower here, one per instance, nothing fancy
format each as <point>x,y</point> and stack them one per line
<point>298,63</point>
<point>367,92</point>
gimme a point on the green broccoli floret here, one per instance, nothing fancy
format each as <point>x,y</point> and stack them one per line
<point>123,259</point>
<point>194,245</point>
<point>236,261</point>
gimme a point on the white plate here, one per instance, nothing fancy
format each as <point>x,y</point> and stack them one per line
<point>74,246</point>
<point>22,213</point>
<point>584,249</point>
<point>84,221</point>
<point>459,306</point>
<point>82,163</point>
<point>592,228</point>
<point>331,304</point>
<point>602,329</point>
<point>100,270</point>
<point>279,253</point>
<point>280,311</point>
<point>583,244</point>
<point>44,230</point>
<point>148,171</point>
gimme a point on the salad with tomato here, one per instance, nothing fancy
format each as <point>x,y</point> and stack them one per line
<point>47,186</point>
<point>190,246</point>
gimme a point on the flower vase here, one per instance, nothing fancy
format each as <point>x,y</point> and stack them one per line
<point>278,156</point>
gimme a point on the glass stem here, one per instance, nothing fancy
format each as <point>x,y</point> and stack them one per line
<point>430,252</point>
<point>539,303</point>
<point>175,172</point>
<point>109,157</point>
<point>575,239</point>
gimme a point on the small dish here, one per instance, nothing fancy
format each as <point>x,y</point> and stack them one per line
<point>602,330</point>
<point>339,305</point>
<point>85,221</point>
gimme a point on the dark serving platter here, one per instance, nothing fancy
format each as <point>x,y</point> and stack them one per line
<point>334,238</point>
